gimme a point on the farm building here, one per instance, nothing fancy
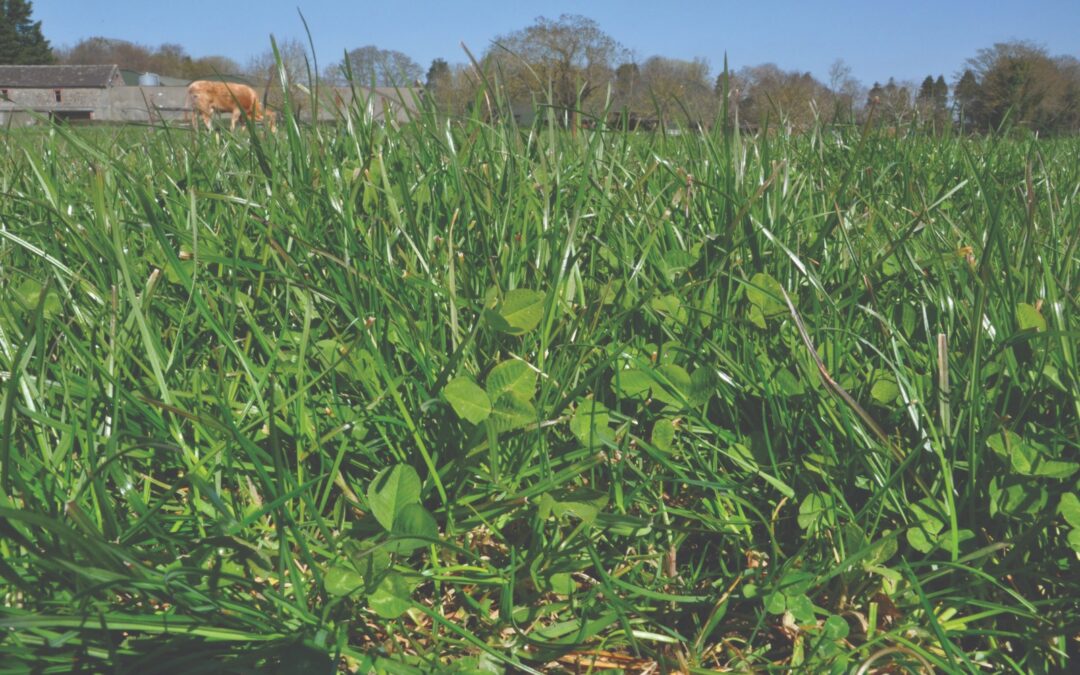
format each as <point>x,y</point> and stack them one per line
<point>32,94</point>
<point>29,94</point>
<point>383,103</point>
<point>55,92</point>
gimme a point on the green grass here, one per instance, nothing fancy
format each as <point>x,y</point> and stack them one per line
<point>460,396</point>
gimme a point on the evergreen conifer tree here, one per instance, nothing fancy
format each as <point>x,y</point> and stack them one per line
<point>926,90</point>
<point>968,94</point>
<point>941,92</point>
<point>21,41</point>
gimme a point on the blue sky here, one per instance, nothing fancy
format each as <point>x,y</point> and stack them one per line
<point>907,40</point>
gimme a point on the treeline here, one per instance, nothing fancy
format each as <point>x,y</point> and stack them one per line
<point>572,68</point>
<point>166,59</point>
<point>572,65</point>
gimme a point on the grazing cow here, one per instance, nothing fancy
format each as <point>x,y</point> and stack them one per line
<point>209,97</point>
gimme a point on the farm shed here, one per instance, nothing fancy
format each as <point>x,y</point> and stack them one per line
<point>29,94</point>
<point>397,103</point>
<point>55,92</point>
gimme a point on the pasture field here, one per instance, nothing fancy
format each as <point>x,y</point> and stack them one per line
<point>467,397</point>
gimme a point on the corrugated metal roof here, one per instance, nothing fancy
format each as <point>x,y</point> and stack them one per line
<point>131,78</point>
<point>56,77</point>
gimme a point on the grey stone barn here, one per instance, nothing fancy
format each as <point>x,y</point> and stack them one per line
<point>29,94</point>
<point>32,94</point>
<point>54,92</point>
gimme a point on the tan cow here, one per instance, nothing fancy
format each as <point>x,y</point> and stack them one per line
<point>209,97</point>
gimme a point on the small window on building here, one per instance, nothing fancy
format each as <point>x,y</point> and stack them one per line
<point>69,116</point>
<point>56,92</point>
<point>3,93</point>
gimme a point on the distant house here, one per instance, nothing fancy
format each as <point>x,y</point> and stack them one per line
<point>56,92</point>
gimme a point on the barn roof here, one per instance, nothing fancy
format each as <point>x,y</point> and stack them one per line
<point>57,77</point>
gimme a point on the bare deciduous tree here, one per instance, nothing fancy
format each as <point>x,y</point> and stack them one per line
<point>676,92</point>
<point>570,57</point>
<point>382,67</point>
<point>1021,82</point>
<point>263,72</point>
<point>166,59</point>
<point>790,98</point>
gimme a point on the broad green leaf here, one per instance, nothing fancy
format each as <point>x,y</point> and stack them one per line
<point>337,355</point>
<point>663,434</point>
<point>1023,458</point>
<point>923,536</point>
<point>468,400</point>
<point>884,549</point>
<point>414,521</point>
<point>836,628</point>
<point>926,511</point>
<point>796,582</point>
<point>919,539</point>
<point>776,603</point>
<point>590,424</point>
<point>756,317</point>
<point>495,320</point>
<point>392,597</point>
<point>945,540</point>
<point>521,310</point>
<point>561,583</point>
<point>675,262</point>
<point>372,562</point>
<point>1054,468</point>
<point>788,383</point>
<point>884,390</point>
<point>801,608</point>
<point>607,293</point>
<point>854,538</point>
<point>672,385</point>
<point>28,294</point>
<point>624,526</point>
<point>1029,318</point>
<point>667,304</point>
<point>510,412</point>
<point>575,631</point>
<point>670,306</point>
<point>393,489</point>
<point>703,384</point>
<point>766,293</point>
<point>632,383</point>
<point>1001,442</point>
<point>1074,539</point>
<point>171,273</point>
<point>814,509</point>
<point>1069,508</point>
<point>581,503</point>
<point>890,265</point>
<point>1018,495</point>
<point>511,376</point>
<point>1029,458</point>
<point>341,581</point>
<point>549,506</point>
